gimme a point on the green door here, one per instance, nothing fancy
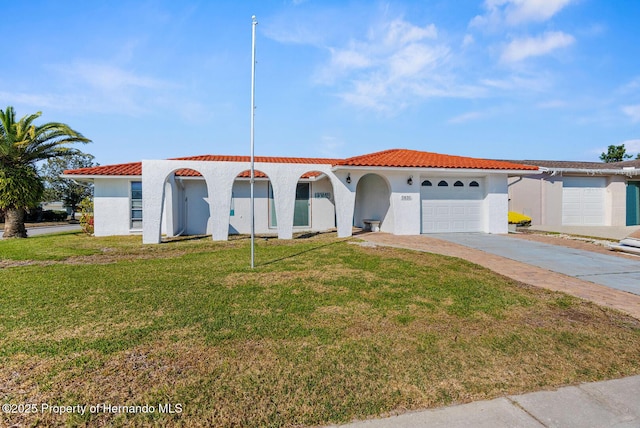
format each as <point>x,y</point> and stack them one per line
<point>633,203</point>
<point>301,210</point>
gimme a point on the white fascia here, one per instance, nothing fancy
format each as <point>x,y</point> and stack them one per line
<point>629,172</point>
<point>453,171</point>
<point>92,177</point>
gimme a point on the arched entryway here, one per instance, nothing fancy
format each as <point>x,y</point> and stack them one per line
<point>373,201</point>
<point>314,206</point>
<point>186,209</point>
<point>240,212</point>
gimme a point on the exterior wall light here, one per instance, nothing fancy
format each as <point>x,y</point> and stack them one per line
<point>410,180</point>
<point>349,178</point>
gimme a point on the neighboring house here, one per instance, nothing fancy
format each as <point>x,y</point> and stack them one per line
<point>55,206</point>
<point>578,193</point>
<point>409,192</point>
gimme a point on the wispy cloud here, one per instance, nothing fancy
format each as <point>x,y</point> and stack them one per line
<point>331,146</point>
<point>395,64</point>
<point>632,146</point>
<point>107,77</point>
<point>86,87</point>
<point>515,12</point>
<point>633,111</point>
<point>523,48</point>
<point>530,82</point>
<point>110,88</point>
<point>466,117</point>
<point>630,87</point>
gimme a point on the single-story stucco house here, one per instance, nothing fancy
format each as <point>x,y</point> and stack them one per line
<point>565,193</point>
<point>408,192</point>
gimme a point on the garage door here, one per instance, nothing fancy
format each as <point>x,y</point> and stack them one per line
<point>583,201</point>
<point>451,205</point>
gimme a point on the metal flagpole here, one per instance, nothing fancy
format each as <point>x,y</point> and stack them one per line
<point>253,112</point>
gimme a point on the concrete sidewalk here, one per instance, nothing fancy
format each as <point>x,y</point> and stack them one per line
<point>614,233</point>
<point>612,403</point>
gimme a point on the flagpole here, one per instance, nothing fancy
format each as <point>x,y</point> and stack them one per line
<point>254,22</point>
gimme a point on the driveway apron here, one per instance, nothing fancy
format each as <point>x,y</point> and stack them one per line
<point>610,271</point>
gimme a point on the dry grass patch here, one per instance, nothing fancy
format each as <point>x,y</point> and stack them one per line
<point>321,332</point>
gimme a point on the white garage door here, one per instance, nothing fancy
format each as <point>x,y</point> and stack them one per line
<point>583,201</point>
<point>451,205</point>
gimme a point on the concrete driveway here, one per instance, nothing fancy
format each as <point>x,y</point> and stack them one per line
<point>610,271</point>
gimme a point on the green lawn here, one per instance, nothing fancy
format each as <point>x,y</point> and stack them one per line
<point>322,331</point>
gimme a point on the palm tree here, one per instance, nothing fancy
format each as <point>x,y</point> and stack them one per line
<point>22,145</point>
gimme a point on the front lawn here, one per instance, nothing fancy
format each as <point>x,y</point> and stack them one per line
<point>323,331</point>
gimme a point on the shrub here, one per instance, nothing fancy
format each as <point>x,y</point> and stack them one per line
<point>519,219</point>
<point>86,218</point>
<point>51,215</point>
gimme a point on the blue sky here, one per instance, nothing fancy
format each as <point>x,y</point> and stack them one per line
<point>507,79</point>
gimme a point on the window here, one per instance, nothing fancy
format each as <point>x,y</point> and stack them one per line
<point>474,184</point>
<point>443,184</point>
<point>136,205</point>
<point>273,221</point>
<point>426,183</point>
<point>458,184</point>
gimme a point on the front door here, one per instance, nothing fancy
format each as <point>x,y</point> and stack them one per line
<point>633,203</point>
<point>301,214</point>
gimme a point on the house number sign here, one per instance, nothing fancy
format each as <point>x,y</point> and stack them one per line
<point>319,195</point>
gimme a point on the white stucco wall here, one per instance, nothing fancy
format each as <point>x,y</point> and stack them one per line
<point>240,222</point>
<point>203,205</point>
<point>616,201</point>
<point>111,205</point>
<point>496,204</point>
<point>323,210</point>
<point>220,177</point>
<point>405,212</point>
<point>373,201</point>
<point>540,197</point>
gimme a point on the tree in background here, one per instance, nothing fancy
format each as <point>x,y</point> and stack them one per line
<point>22,145</point>
<point>616,154</point>
<point>66,190</point>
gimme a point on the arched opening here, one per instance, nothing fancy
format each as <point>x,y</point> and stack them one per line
<point>264,206</point>
<point>373,200</point>
<point>186,209</point>
<point>314,207</point>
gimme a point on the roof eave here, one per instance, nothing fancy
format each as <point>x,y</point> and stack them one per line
<point>94,176</point>
<point>428,169</point>
<point>592,171</point>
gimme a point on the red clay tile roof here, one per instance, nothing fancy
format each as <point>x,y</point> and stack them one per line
<point>403,158</point>
<point>399,158</point>
<point>135,168</point>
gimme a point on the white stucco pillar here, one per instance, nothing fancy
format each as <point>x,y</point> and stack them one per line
<point>345,201</point>
<point>152,198</point>
<point>220,185</point>
<point>169,204</point>
<point>284,196</point>
<point>496,204</point>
